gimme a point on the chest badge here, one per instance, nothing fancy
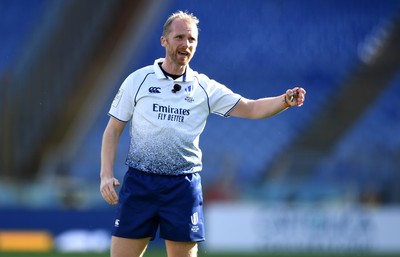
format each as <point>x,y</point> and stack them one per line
<point>189,94</point>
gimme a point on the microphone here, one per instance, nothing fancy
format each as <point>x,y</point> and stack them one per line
<point>176,88</point>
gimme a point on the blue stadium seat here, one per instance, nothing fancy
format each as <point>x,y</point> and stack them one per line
<point>18,18</point>
<point>368,155</point>
<point>265,47</point>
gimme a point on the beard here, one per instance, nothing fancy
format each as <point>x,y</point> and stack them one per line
<point>179,59</point>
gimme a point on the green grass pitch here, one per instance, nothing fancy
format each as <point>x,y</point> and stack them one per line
<point>161,253</point>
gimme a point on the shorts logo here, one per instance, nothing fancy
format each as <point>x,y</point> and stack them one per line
<point>155,90</point>
<point>116,224</point>
<point>195,220</point>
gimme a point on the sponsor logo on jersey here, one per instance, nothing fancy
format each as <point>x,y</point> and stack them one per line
<point>116,223</point>
<point>154,90</point>
<point>170,113</point>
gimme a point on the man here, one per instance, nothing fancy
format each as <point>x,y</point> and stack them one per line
<point>168,104</point>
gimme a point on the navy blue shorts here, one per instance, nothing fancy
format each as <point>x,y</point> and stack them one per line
<point>148,202</point>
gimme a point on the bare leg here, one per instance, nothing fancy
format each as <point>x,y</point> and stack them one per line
<point>181,249</point>
<point>126,247</point>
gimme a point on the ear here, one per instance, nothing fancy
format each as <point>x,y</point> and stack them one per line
<point>163,41</point>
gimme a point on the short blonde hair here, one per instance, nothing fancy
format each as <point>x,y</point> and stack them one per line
<point>184,15</point>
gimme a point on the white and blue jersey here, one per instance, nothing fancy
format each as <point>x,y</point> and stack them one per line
<point>166,124</point>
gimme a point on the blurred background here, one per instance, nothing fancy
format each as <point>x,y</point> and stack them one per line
<point>321,177</point>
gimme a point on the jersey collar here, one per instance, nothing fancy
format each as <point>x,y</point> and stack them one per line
<point>188,76</point>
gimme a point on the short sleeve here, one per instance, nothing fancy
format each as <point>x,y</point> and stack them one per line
<point>123,104</point>
<point>221,99</point>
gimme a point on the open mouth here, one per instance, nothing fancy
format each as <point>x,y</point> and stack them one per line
<point>183,53</point>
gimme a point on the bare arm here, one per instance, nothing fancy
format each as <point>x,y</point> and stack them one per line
<point>109,148</point>
<point>269,106</point>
